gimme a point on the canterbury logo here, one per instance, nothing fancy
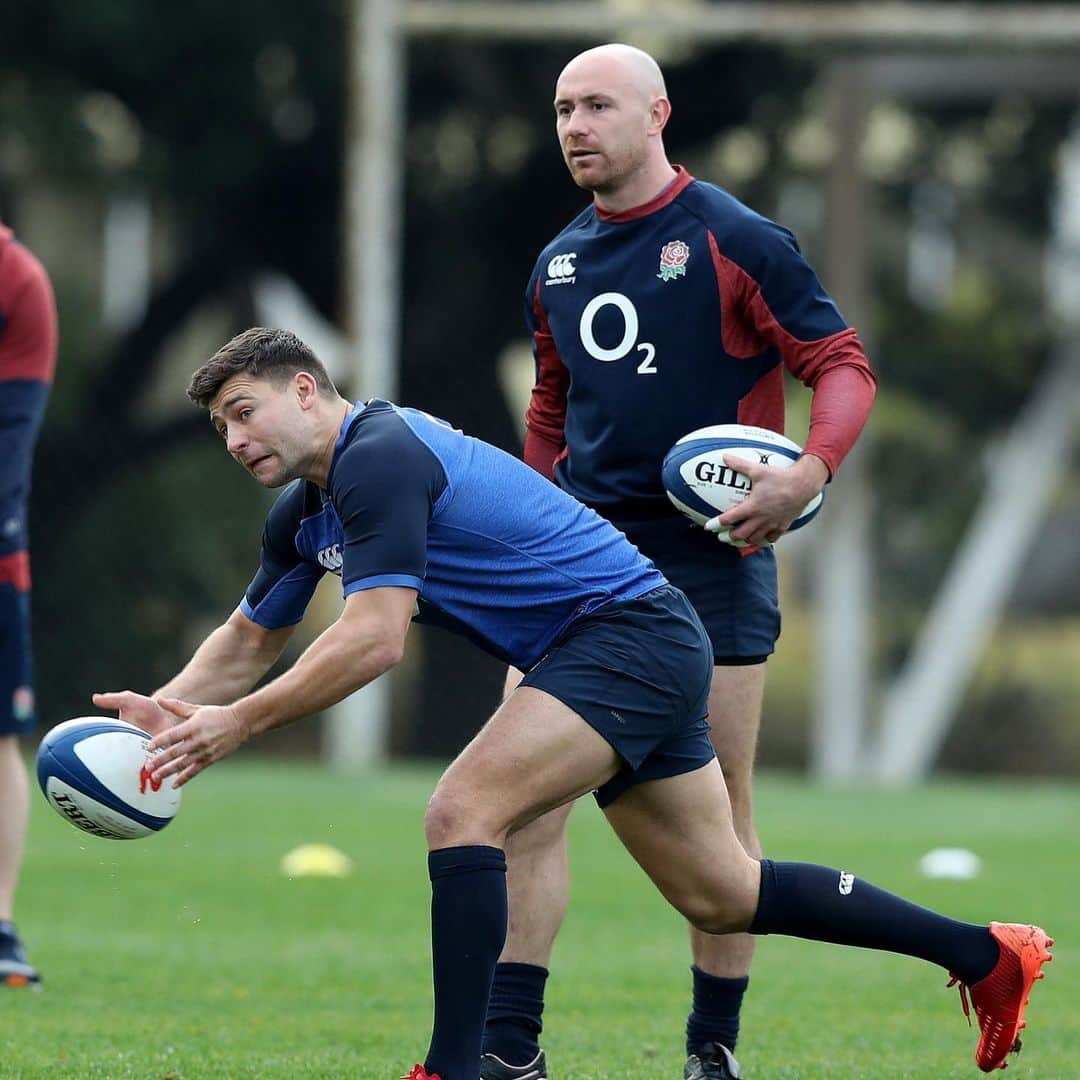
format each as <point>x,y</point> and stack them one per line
<point>561,269</point>
<point>330,558</point>
<point>847,883</point>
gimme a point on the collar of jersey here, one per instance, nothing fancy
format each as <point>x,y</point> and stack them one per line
<point>351,417</point>
<point>670,193</point>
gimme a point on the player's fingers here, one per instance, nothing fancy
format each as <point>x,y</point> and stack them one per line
<point>734,460</point>
<point>753,531</point>
<point>168,743</point>
<point>183,709</point>
<point>190,771</point>
<point>737,515</point>
<point>113,699</point>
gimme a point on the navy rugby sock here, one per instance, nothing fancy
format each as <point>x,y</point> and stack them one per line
<point>816,902</point>
<point>715,1015</point>
<point>468,928</point>
<point>514,1023</point>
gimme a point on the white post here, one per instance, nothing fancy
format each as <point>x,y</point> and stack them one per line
<point>357,729</point>
<point>125,274</point>
<point>1025,470</point>
<point>841,540</point>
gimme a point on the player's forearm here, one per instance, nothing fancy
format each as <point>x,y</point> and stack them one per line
<point>340,661</point>
<point>224,667</point>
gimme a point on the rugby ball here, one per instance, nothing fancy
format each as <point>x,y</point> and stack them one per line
<point>93,773</point>
<point>699,482</point>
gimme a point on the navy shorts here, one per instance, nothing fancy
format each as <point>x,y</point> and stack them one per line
<point>638,672</point>
<point>734,594</point>
<point>16,674</point>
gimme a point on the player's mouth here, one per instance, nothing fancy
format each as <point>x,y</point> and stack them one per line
<point>580,155</point>
<point>252,464</point>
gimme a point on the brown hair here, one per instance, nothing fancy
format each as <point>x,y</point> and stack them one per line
<point>263,352</point>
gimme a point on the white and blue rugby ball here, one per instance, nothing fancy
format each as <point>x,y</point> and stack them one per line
<point>702,485</point>
<point>93,773</point>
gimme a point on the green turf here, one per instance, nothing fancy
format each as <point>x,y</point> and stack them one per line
<point>188,955</point>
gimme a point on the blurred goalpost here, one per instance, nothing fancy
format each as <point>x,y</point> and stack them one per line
<point>917,709</point>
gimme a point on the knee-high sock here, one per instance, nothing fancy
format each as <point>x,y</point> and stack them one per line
<point>807,901</point>
<point>468,928</point>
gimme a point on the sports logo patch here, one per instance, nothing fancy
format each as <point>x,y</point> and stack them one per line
<point>561,269</point>
<point>330,558</point>
<point>674,256</point>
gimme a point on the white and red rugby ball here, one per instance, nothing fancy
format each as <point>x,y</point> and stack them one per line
<point>702,485</point>
<point>93,773</point>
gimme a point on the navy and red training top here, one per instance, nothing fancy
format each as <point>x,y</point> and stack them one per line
<point>678,314</point>
<point>28,340</point>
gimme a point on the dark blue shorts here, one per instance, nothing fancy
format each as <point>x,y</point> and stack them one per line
<point>16,671</point>
<point>638,672</point>
<point>735,595</point>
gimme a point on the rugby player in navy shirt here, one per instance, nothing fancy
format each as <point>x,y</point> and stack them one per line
<point>421,521</point>
<point>667,305</point>
<point>28,341</point>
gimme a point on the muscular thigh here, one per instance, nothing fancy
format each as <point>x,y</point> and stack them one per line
<point>533,755</point>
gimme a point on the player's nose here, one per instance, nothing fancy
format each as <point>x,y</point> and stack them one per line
<point>576,123</point>
<point>236,441</point>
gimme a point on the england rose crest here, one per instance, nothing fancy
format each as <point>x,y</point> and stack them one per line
<point>674,256</point>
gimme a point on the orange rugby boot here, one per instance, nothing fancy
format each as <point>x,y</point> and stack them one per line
<point>999,999</point>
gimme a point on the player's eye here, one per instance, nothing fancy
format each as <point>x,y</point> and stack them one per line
<point>243,414</point>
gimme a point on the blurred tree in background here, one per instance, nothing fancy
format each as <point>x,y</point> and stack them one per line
<point>230,119</point>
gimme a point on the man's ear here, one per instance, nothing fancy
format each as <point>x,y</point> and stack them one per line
<point>659,114</point>
<point>306,389</point>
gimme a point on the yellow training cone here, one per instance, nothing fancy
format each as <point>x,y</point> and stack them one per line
<point>316,860</point>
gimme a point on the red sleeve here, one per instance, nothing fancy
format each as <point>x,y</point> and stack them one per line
<point>833,365</point>
<point>546,415</point>
<point>28,328</point>
<point>843,395</point>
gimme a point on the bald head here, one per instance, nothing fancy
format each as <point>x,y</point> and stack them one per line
<point>611,107</point>
<point>623,66</point>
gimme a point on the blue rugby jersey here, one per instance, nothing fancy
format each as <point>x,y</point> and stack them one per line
<point>672,316</point>
<point>495,551</point>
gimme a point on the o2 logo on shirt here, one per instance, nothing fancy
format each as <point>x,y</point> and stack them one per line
<point>630,332</point>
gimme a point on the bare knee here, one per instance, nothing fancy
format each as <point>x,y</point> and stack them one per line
<point>717,914</point>
<point>456,817</point>
<point>724,908</point>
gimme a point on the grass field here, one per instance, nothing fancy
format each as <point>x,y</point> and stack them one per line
<point>188,955</point>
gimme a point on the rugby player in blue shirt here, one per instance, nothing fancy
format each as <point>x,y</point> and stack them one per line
<point>667,305</point>
<point>421,521</point>
<point>28,341</point>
